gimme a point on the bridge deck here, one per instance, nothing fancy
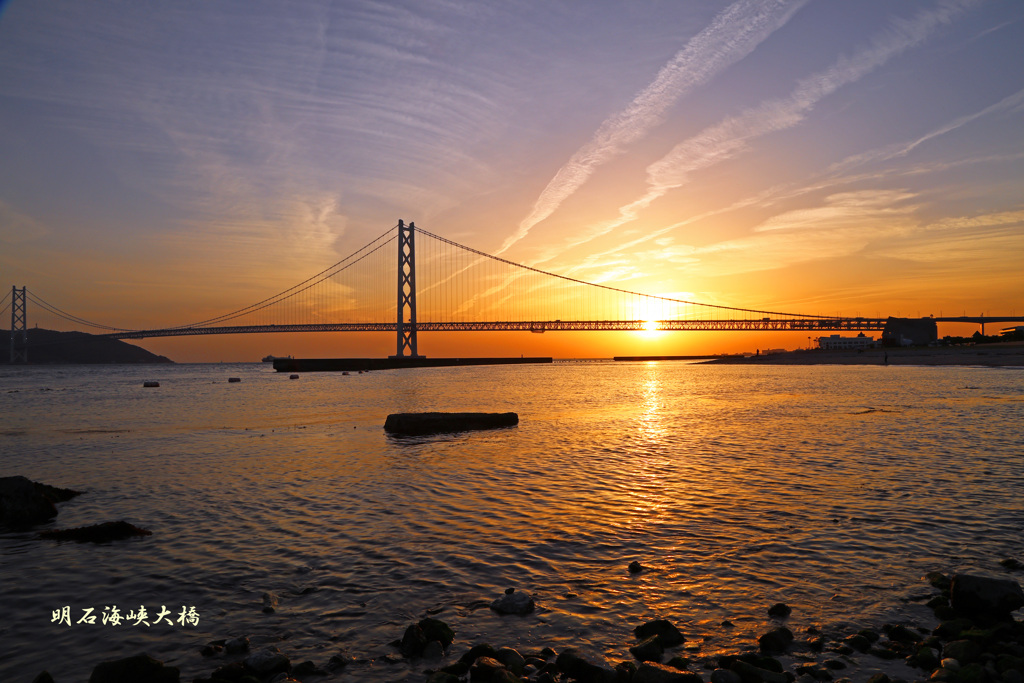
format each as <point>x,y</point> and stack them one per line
<point>763,325</point>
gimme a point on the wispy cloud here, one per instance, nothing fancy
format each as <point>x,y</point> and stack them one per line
<point>733,35</point>
<point>733,135</point>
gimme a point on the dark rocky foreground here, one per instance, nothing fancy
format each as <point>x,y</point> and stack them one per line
<point>978,640</point>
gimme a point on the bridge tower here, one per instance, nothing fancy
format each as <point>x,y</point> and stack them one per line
<point>19,326</point>
<point>406,291</point>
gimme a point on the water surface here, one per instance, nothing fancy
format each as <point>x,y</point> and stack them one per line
<point>833,489</point>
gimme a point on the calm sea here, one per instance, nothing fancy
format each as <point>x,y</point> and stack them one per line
<point>833,489</point>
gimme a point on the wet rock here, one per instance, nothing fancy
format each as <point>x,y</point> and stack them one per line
<point>97,533</point>
<point>138,669</point>
<point>435,629</point>
<point>901,633</point>
<point>234,671</point>
<point>477,651</point>
<point>485,669</point>
<point>650,672</point>
<point>750,672</point>
<point>43,677</point>
<point>266,661</point>
<point>513,602</point>
<point>24,502</point>
<point>235,646</point>
<point>780,610</point>
<point>981,596</point>
<point>776,640</point>
<point>1011,564</point>
<point>924,658</point>
<point>963,651</point>
<point>269,603</point>
<point>338,661</point>
<point>725,676</point>
<point>816,673</point>
<point>938,580</point>
<point>413,641</point>
<point>433,650</point>
<point>816,644</point>
<point>668,635</point>
<point>512,660</point>
<point>418,424</point>
<point>306,669</point>
<point>678,662</point>
<point>649,650</point>
<point>635,567</point>
<point>858,642</point>
<point>880,678</point>
<point>574,666</point>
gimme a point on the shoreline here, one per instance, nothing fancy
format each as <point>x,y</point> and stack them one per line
<point>987,355</point>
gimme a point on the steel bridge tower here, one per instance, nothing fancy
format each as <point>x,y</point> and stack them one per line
<point>406,291</point>
<point>19,326</point>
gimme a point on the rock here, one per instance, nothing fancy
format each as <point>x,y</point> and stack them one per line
<point>780,610</point>
<point>635,567</point>
<point>269,603</point>
<point>418,424</point>
<point>307,669</point>
<point>477,651</point>
<point>776,640</point>
<point>749,672</point>
<point>24,502</point>
<point>668,635</point>
<point>678,662</point>
<point>576,667</point>
<point>267,661</point>
<point>433,650</point>
<point>138,669</point>
<point>649,650</point>
<point>725,676</point>
<point>980,596</point>
<point>442,677</point>
<point>435,629</point>
<point>43,677</point>
<point>513,603</point>
<point>485,669</point>
<point>150,384</point>
<point>938,580</point>
<point>237,645</point>
<point>924,658</point>
<point>1012,564</point>
<point>413,641</point>
<point>858,642</point>
<point>97,533</point>
<point>950,664</point>
<point>879,678</point>
<point>963,651</point>
<point>901,634</point>
<point>650,672</point>
<point>512,660</point>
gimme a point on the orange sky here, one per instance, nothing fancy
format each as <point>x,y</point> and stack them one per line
<point>162,163</point>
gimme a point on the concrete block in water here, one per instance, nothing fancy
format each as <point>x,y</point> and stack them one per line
<point>439,423</point>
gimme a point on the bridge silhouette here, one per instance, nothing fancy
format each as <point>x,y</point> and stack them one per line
<point>444,286</point>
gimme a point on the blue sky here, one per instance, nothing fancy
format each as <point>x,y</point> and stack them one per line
<point>808,155</point>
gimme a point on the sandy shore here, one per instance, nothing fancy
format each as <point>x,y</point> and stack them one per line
<point>991,355</point>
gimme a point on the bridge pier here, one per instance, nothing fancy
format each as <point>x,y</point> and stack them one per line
<point>406,325</point>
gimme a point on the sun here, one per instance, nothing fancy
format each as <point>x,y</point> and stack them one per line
<point>650,328</point>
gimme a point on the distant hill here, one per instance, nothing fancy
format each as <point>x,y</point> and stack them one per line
<point>48,347</point>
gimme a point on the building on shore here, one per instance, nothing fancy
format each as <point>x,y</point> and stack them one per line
<point>837,343</point>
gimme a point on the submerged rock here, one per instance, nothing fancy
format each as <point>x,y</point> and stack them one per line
<point>138,669</point>
<point>668,635</point>
<point>418,424</point>
<point>513,603</point>
<point>97,533</point>
<point>24,502</point>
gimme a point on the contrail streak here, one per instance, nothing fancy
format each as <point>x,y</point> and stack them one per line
<point>733,35</point>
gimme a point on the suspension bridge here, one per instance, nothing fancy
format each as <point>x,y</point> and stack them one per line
<point>440,285</point>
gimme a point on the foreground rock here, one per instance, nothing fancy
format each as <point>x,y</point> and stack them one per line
<point>980,596</point>
<point>24,502</point>
<point>419,424</point>
<point>97,533</point>
<point>137,669</point>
